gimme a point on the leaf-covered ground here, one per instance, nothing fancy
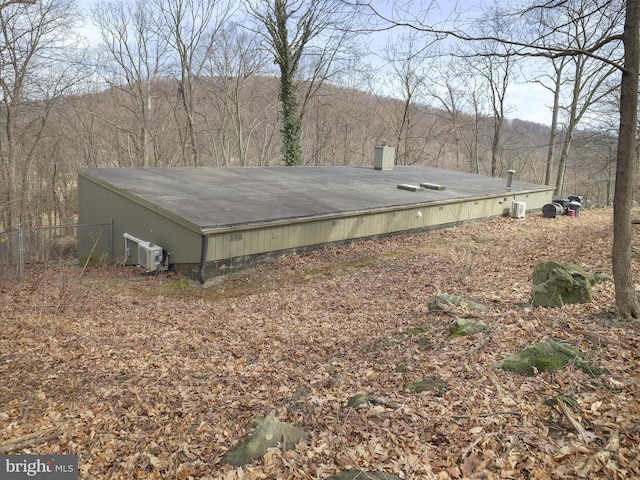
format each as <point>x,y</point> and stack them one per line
<point>153,377</point>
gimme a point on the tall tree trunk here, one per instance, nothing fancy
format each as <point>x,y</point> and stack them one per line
<point>13,215</point>
<point>564,158</point>
<point>553,133</point>
<point>495,142</point>
<point>626,300</point>
<point>571,127</point>
<point>291,123</point>
<point>186,93</point>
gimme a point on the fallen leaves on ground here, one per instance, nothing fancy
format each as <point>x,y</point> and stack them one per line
<point>151,377</point>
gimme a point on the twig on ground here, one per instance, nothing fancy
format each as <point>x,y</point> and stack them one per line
<point>586,436</point>
<point>86,263</point>
<point>27,408</point>
<point>462,417</point>
<point>477,348</point>
<point>475,443</point>
<point>24,441</point>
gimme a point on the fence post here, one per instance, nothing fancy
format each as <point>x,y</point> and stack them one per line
<point>20,252</point>
<point>110,239</point>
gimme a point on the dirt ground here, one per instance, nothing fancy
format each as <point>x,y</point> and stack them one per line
<point>154,377</point>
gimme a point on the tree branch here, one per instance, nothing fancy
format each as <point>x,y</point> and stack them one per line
<point>513,47</point>
<point>12,2</point>
<point>23,441</point>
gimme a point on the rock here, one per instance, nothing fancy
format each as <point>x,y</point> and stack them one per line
<point>568,401</point>
<point>556,284</point>
<point>419,330</point>
<point>401,368</point>
<point>600,278</point>
<point>463,326</point>
<point>545,356</point>
<point>358,401</point>
<point>269,433</point>
<point>441,301</point>
<point>362,475</point>
<point>426,384</point>
<point>300,394</point>
<point>364,400</point>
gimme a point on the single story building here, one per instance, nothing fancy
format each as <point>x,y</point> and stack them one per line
<point>205,221</point>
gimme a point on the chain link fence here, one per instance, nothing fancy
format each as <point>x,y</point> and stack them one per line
<point>26,249</point>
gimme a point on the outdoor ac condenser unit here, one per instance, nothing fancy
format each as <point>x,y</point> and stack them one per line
<point>518,209</point>
<point>150,256</point>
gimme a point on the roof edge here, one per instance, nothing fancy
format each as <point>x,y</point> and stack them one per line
<point>333,216</point>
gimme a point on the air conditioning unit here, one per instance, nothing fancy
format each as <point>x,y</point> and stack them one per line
<point>150,256</point>
<point>518,209</point>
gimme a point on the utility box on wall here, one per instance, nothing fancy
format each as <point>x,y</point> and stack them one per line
<point>384,157</point>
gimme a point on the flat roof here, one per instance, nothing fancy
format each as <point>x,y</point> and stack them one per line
<point>215,197</point>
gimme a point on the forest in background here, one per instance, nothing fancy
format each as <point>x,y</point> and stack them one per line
<point>204,92</point>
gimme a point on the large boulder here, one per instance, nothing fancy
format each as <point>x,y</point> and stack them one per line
<point>546,356</point>
<point>557,284</point>
<point>269,433</point>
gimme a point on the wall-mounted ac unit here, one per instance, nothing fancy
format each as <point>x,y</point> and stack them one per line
<point>150,256</point>
<point>518,209</point>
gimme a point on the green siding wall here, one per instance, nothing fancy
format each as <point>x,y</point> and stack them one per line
<point>255,240</point>
<point>100,204</point>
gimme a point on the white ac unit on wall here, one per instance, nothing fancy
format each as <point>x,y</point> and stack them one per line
<point>150,256</point>
<point>518,209</point>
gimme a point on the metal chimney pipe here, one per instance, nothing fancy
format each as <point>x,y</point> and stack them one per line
<point>510,175</point>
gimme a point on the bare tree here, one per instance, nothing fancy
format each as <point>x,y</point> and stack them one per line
<point>462,96</point>
<point>37,69</point>
<point>14,2</point>
<point>626,298</point>
<point>230,69</point>
<point>599,49</point>
<point>134,60</point>
<point>190,28</point>
<point>589,78</point>
<point>293,29</point>
<point>409,66</point>
<point>496,66</point>
<point>558,65</point>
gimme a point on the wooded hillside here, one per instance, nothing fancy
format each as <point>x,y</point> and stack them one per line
<point>157,90</point>
<point>342,128</point>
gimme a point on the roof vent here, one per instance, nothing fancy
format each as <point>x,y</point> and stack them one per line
<point>432,186</point>
<point>411,188</point>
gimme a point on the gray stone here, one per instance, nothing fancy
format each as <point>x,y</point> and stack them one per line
<point>362,475</point>
<point>442,301</point>
<point>463,326</point>
<point>556,284</point>
<point>358,401</point>
<point>426,384</point>
<point>269,433</point>
<point>545,356</point>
